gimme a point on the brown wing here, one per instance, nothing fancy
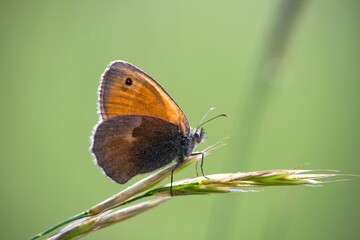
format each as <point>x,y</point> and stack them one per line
<point>127,145</point>
<point>125,89</point>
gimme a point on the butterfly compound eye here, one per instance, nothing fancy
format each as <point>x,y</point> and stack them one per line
<point>199,136</point>
<point>128,81</point>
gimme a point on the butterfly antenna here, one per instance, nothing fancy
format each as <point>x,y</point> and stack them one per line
<point>220,115</point>
<point>203,118</point>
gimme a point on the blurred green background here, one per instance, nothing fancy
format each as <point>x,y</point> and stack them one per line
<point>288,105</point>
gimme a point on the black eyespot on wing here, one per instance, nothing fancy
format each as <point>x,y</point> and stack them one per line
<point>128,81</point>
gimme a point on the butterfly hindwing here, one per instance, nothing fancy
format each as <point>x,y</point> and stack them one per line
<point>127,145</point>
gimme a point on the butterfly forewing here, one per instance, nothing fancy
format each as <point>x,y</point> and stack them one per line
<point>125,89</point>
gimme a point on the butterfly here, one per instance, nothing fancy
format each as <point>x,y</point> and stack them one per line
<point>141,128</point>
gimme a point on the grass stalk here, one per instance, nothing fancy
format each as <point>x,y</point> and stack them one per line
<point>118,207</point>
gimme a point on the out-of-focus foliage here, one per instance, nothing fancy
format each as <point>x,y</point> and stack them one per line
<point>205,54</point>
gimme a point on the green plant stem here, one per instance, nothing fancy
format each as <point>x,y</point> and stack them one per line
<point>60,224</point>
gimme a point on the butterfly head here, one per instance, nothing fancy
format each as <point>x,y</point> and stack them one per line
<point>198,135</point>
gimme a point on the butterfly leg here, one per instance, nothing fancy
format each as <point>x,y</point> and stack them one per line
<point>171,182</point>
<point>179,161</point>
<point>201,164</point>
<point>196,169</point>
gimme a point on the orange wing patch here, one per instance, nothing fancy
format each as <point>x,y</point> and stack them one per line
<point>125,89</point>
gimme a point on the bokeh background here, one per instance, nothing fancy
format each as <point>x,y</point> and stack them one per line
<point>286,73</point>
